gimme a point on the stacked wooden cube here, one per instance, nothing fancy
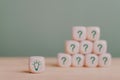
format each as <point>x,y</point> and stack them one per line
<point>85,49</point>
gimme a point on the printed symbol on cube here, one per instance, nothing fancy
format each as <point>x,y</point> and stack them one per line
<point>72,47</point>
<point>100,47</point>
<point>91,60</point>
<point>79,33</point>
<point>86,47</point>
<point>64,60</point>
<point>77,60</point>
<point>36,64</point>
<point>93,33</point>
<point>104,60</point>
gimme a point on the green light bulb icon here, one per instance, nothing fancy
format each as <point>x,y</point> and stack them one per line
<point>36,65</point>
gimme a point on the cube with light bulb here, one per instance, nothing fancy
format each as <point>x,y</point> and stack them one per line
<point>36,64</point>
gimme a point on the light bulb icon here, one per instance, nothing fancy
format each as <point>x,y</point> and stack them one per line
<point>36,65</point>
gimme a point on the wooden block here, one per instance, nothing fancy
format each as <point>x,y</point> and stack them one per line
<point>93,33</point>
<point>64,60</point>
<point>91,60</point>
<point>86,47</point>
<point>100,47</point>
<point>77,60</point>
<point>72,47</point>
<point>79,33</point>
<point>36,64</point>
<point>104,60</point>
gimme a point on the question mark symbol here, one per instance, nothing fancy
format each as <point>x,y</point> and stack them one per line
<point>105,59</point>
<point>93,59</point>
<point>78,59</point>
<point>73,46</point>
<point>93,33</point>
<point>80,33</point>
<point>100,46</point>
<point>86,46</point>
<point>64,59</point>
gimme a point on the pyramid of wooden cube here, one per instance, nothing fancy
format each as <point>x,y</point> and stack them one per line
<point>85,49</point>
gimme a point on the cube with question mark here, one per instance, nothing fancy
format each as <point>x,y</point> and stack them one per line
<point>71,47</point>
<point>93,33</point>
<point>104,60</point>
<point>64,60</point>
<point>36,64</point>
<point>77,60</point>
<point>79,33</point>
<point>91,60</point>
<point>86,47</point>
<point>100,47</point>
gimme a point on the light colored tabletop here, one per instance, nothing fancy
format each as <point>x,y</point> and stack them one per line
<point>17,69</point>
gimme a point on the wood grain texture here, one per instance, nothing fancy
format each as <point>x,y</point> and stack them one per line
<point>17,69</point>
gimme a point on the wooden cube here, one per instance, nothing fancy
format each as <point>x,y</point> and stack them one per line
<point>72,47</point>
<point>100,47</point>
<point>77,60</point>
<point>36,64</point>
<point>79,33</point>
<point>64,60</point>
<point>86,47</point>
<point>93,33</point>
<point>104,60</point>
<point>91,60</point>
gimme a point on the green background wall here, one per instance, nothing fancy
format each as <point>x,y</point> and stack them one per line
<point>40,27</point>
